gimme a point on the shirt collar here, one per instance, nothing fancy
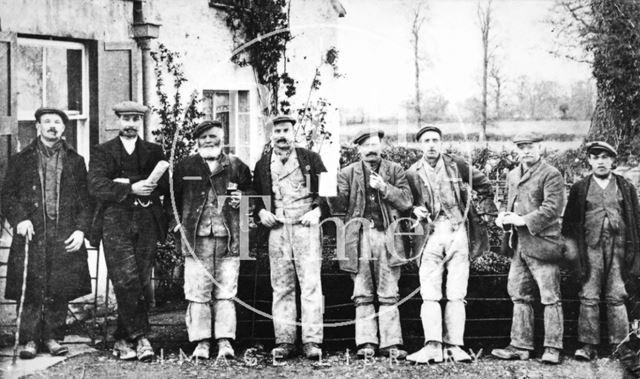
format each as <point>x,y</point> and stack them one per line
<point>129,144</point>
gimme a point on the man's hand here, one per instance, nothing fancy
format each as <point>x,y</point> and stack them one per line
<point>142,188</point>
<point>511,218</point>
<point>311,218</point>
<point>74,242</point>
<point>235,199</point>
<point>487,218</point>
<point>25,229</point>
<point>267,218</point>
<point>376,182</point>
<point>421,212</point>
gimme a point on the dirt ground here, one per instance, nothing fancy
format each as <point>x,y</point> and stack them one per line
<point>256,364</point>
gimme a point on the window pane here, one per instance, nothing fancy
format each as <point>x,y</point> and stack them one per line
<point>29,80</point>
<point>243,101</point>
<point>56,74</point>
<point>74,80</point>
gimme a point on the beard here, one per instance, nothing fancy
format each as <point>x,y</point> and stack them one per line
<point>210,152</point>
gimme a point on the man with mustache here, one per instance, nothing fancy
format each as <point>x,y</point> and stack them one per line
<point>45,199</point>
<point>534,207</point>
<point>441,204</point>
<point>376,190</point>
<point>209,236</point>
<point>288,176</point>
<point>130,221</point>
<point>602,218</point>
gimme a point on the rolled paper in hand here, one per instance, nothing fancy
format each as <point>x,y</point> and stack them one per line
<point>157,172</point>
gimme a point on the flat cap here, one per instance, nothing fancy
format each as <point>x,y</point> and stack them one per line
<point>364,135</point>
<point>41,111</point>
<point>528,137</point>
<point>428,128</point>
<point>597,146</point>
<point>204,126</point>
<point>282,118</point>
<point>129,107</point>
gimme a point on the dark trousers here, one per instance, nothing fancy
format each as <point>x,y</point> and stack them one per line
<point>130,236</point>
<point>44,313</point>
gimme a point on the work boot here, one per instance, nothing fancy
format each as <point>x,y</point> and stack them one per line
<point>123,350</point>
<point>144,351</point>
<point>312,350</point>
<point>202,350</point>
<point>586,353</point>
<point>430,353</point>
<point>551,356</point>
<point>283,351</point>
<point>29,350</point>
<point>366,350</point>
<point>456,354</point>
<point>225,350</point>
<point>394,351</point>
<point>55,348</point>
<point>511,352</point>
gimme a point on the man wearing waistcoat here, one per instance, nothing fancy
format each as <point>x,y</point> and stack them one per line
<point>46,201</point>
<point>534,207</point>
<point>130,221</point>
<point>375,190</point>
<point>211,232</point>
<point>602,218</point>
<point>288,176</point>
<point>440,198</point>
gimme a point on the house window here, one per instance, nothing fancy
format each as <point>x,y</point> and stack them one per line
<point>233,110</point>
<point>52,74</point>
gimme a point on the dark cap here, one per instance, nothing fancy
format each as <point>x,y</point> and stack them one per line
<point>129,107</point>
<point>363,136</point>
<point>282,118</point>
<point>594,147</point>
<point>204,126</point>
<point>428,128</point>
<point>41,111</point>
<point>528,137</point>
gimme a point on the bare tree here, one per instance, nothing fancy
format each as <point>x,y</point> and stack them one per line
<point>486,24</point>
<point>496,75</point>
<point>416,26</point>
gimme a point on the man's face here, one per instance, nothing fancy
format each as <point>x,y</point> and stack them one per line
<point>529,152</point>
<point>50,127</point>
<point>282,135</point>
<point>370,149</point>
<point>210,143</point>
<point>601,163</point>
<point>431,145</point>
<point>130,124</point>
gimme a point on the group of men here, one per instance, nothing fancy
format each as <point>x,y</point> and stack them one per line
<point>53,204</point>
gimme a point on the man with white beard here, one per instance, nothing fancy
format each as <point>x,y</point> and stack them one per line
<point>208,236</point>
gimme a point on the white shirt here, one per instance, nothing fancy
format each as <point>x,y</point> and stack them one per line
<point>603,183</point>
<point>129,144</point>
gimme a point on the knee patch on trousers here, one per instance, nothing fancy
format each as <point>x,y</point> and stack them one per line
<point>363,300</point>
<point>388,300</point>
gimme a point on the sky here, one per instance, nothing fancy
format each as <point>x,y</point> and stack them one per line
<point>376,52</point>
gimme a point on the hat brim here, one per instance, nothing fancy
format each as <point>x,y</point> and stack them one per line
<point>363,137</point>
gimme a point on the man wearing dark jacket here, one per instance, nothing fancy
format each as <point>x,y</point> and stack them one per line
<point>375,190</point>
<point>130,221</point>
<point>211,233</point>
<point>288,176</point>
<point>45,199</point>
<point>602,218</point>
<point>441,199</point>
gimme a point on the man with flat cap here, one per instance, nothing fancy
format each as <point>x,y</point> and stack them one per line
<point>452,234</point>
<point>287,177</point>
<point>209,236</point>
<point>130,221</point>
<point>532,221</point>
<point>46,201</point>
<point>373,193</point>
<point>602,218</point>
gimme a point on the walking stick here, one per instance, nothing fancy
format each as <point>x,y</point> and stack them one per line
<point>24,287</point>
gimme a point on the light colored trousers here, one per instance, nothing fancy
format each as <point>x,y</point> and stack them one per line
<point>199,287</point>
<point>295,252</point>
<point>376,277</point>
<point>446,249</point>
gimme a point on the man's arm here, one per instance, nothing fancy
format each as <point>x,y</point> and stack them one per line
<point>571,214</point>
<point>12,208</point>
<point>83,218</point>
<point>399,193</point>
<point>481,185</point>
<point>319,201</point>
<point>552,204</point>
<point>100,186</point>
